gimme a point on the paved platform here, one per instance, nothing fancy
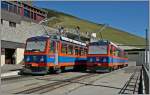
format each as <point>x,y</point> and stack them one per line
<point>100,84</point>
<point>9,70</point>
<point>111,84</point>
<point>10,67</point>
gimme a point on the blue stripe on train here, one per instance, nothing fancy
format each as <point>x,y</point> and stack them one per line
<point>36,58</point>
<point>107,60</point>
<point>66,59</point>
<point>116,60</point>
<point>70,59</point>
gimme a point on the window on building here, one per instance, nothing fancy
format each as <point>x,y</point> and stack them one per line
<point>1,21</point>
<point>12,24</point>
<point>15,8</point>
<point>26,6</point>
<point>64,48</point>
<point>11,8</point>
<point>18,11</point>
<point>34,16</point>
<point>52,46</point>
<point>4,5</point>
<point>26,13</point>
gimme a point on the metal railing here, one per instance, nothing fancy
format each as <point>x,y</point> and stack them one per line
<point>145,79</point>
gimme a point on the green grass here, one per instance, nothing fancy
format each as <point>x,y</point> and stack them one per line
<point>112,34</point>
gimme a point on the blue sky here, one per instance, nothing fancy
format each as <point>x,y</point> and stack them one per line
<point>129,16</point>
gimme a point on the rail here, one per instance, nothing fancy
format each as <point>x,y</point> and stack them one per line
<point>131,86</point>
<point>51,86</point>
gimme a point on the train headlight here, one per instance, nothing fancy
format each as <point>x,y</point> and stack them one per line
<point>97,59</point>
<point>91,60</point>
<point>104,59</point>
<point>28,59</point>
<point>41,59</point>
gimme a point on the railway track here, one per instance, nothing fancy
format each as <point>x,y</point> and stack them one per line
<point>21,78</point>
<point>61,83</point>
<point>95,79</point>
<point>51,86</point>
<point>131,86</point>
<point>15,79</point>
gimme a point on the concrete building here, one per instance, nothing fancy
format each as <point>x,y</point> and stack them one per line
<point>19,21</point>
<point>137,57</point>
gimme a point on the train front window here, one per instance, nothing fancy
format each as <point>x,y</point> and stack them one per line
<point>97,49</point>
<point>35,46</point>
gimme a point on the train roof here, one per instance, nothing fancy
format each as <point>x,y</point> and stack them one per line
<point>45,37</point>
<point>37,37</point>
<point>105,42</point>
<point>72,41</point>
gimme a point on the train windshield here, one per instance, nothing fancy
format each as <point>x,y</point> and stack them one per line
<point>35,46</point>
<point>98,48</point>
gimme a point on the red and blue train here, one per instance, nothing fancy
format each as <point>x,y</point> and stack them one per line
<point>105,56</point>
<point>45,54</point>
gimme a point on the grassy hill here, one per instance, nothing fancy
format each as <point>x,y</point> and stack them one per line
<point>115,35</point>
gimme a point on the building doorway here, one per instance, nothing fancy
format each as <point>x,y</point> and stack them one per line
<point>10,56</point>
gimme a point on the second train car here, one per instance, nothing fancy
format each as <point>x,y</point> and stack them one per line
<point>105,56</point>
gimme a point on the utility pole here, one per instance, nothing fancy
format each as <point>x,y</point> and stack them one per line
<point>147,48</point>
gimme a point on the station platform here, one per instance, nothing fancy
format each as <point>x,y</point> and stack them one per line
<point>122,81</point>
<point>10,69</point>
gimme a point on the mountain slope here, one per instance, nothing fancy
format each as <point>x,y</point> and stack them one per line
<point>115,35</point>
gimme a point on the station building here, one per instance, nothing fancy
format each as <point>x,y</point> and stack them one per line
<point>19,21</point>
<point>137,57</point>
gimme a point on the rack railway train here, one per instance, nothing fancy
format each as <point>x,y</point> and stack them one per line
<point>105,56</point>
<point>44,54</point>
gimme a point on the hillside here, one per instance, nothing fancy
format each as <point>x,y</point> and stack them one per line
<point>115,35</point>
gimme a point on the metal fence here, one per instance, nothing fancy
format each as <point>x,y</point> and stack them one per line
<point>145,74</point>
<point>144,83</point>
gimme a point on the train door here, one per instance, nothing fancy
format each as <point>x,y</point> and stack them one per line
<point>53,54</point>
<point>54,50</point>
<point>56,53</point>
<point>112,48</point>
<point>57,68</point>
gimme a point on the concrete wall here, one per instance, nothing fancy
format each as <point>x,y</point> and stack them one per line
<point>2,59</point>
<point>2,56</point>
<point>19,55</point>
<point>22,31</point>
<point>133,58</point>
<point>15,37</point>
<point>138,57</point>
